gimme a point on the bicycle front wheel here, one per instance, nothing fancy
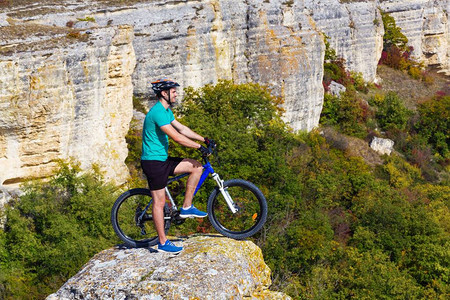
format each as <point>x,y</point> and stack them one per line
<point>250,203</point>
<point>132,220</point>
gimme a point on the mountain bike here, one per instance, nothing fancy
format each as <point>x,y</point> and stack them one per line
<point>236,209</point>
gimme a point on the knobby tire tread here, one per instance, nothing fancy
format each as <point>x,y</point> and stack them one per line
<point>239,235</point>
<point>114,212</point>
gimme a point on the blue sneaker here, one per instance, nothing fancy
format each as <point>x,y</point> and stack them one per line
<point>192,212</point>
<point>169,247</point>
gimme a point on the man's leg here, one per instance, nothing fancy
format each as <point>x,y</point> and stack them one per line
<point>159,200</point>
<point>195,169</point>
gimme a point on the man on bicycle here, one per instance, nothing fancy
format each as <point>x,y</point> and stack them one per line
<point>160,124</point>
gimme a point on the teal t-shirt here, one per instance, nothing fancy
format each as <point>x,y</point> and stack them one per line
<point>155,143</point>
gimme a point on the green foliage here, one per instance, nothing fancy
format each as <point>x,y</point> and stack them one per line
<point>330,53</point>
<point>52,230</point>
<point>434,123</point>
<point>334,70</point>
<point>345,112</point>
<point>137,105</point>
<point>360,275</point>
<point>392,34</point>
<point>401,174</point>
<point>337,228</point>
<point>404,229</point>
<point>134,144</point>
<point>87,19</point>
<point>415,72</point>
<point>396,53</point>
<point>366,229</point>
<point>358,82</point>
<point>245,121</point>
<point>244,117</point>
<point>392,113</point>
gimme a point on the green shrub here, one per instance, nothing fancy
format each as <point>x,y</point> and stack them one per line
<point>360,275</point>
<point>434,124</point>
<point>415,72</point>
<point>330,53</point>
<point>52,230</point>
<point>392,114</point>
<point>392,33</point>
<point>346,113</point>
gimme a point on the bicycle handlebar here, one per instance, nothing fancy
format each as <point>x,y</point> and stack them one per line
<point>211,149</point>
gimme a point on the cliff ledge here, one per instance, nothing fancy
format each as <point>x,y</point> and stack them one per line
<point>210,267</point>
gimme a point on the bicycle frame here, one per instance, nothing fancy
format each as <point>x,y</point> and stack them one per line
<point>207,170</point>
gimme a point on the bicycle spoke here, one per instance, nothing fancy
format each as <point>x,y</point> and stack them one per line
<point>132,222</point>
<point>248,214</point>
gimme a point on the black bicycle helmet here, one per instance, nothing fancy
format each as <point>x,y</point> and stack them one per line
<point>163,84</point>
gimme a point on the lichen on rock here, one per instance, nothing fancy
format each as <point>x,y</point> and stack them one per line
<point>210,267</point>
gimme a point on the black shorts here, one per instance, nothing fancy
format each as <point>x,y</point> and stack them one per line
<point>158,172</point>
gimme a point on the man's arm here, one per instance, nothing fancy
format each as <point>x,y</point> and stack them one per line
<point>186,131</point>
<point>180,138</point>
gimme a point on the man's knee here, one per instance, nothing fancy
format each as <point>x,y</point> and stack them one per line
<point>190,165</point>
<point>197,167</point>
<point>159,198</point>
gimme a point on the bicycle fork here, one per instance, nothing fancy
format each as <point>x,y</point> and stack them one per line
<point>225,194</point>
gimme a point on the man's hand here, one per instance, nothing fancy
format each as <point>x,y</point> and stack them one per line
<point>210,142</point>
<point>205,151</point>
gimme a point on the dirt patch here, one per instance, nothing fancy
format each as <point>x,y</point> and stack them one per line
<point>351,146</point>
<point>410,90</point>
<point>49,37</point>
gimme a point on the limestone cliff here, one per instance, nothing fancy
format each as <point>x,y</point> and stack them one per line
<point>71,102</point>
<point>426,25</point>
<point>208,268</point>
<point>68,69</point>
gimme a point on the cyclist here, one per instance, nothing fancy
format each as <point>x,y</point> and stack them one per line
<point>160,124</point>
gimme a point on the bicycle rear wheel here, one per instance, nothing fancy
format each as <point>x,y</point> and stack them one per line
<point>251,205</point>
<point>132,220</point>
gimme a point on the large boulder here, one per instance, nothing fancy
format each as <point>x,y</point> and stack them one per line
<point>210,267</point>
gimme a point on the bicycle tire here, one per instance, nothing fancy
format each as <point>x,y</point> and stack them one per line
<point>124,220</point>
<point>252,212</point>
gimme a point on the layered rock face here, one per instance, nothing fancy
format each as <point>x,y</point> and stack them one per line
<point>199,42</point>
<point>426,25</point>
<point>61,103</point>
<point>354,29</point>
<point>74,100</point>
<point>208,268</point>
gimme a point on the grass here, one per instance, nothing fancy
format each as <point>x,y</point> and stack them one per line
<point>29,8</point>
<point>51,37</point>
<point>410,90</point>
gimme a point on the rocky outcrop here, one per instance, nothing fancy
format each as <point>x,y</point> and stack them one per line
<point>382,146</point>
<point>336,89</point>
<point>208,268</point>
<point>199,42</point>
<point>426,25</point>
<point>71,102</point>
<point>354,29</point>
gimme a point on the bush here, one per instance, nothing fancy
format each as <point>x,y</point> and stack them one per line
<point>346,113</point>
<point>434,124</point>
<point>360,275</point>
<point>392,34</point>
<point>392,114</point>
<point>52,230</point>
<point>415,72</point>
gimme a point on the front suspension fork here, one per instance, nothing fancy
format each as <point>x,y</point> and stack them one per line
<point>225,194</point>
